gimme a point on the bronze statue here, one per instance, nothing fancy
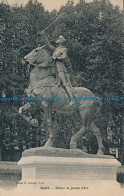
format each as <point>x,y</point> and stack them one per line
<point>43,84</point>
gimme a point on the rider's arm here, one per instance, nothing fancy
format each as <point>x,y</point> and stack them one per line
<point>47,41</point>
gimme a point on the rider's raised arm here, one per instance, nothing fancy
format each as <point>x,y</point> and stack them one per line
<point>47,41</point>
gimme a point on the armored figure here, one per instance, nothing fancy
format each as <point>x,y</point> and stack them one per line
<point>58,56</point>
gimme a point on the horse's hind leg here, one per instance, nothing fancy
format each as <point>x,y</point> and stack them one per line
<point>96,132</point>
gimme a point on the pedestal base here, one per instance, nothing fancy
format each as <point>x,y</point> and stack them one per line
<point>46,167</point>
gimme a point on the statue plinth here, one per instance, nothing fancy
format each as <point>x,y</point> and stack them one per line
<point>56,166</point>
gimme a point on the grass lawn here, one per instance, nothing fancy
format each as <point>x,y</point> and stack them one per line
<point>10,174</point>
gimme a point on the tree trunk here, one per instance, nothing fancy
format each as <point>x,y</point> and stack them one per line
<point>1,148</point>
<point>122,142</point>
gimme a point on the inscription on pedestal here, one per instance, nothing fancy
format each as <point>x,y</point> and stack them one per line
<point>68,168</point>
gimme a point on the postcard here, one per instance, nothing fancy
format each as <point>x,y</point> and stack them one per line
<point>62,99</point>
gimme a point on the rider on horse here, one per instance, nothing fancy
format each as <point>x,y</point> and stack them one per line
<point>59,54</point>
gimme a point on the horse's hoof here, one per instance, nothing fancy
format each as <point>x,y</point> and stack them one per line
<point>73,145</point>
<point>34,123</point>
<point>100,152</point>
<point>48,144</point>
<point>20,111</point>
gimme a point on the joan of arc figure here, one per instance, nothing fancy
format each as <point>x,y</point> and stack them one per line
<point>59,55</point>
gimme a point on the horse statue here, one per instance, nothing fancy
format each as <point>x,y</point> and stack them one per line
<point>50,96</point>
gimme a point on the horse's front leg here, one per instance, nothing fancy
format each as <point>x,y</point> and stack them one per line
<point>29,119</point>
<point>23,108</point>
<point>74,138</point>
<point>50,140</point>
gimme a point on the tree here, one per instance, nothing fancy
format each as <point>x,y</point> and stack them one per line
<point>94,37</point>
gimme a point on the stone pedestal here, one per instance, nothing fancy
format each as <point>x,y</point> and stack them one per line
<point>59,167</point>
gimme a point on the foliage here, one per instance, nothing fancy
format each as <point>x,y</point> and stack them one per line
<point>94,34</point>
<point>120,177</point>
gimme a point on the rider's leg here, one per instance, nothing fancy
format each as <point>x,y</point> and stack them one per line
<point>65,85</point>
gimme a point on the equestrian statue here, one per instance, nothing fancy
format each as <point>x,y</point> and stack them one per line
<point>49,79</point>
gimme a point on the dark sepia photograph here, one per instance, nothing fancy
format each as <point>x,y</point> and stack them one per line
<point>62,97</point>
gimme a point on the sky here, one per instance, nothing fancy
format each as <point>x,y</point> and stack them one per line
<point>56,4</point>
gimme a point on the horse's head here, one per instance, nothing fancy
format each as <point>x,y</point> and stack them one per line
<point>37,56</point>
